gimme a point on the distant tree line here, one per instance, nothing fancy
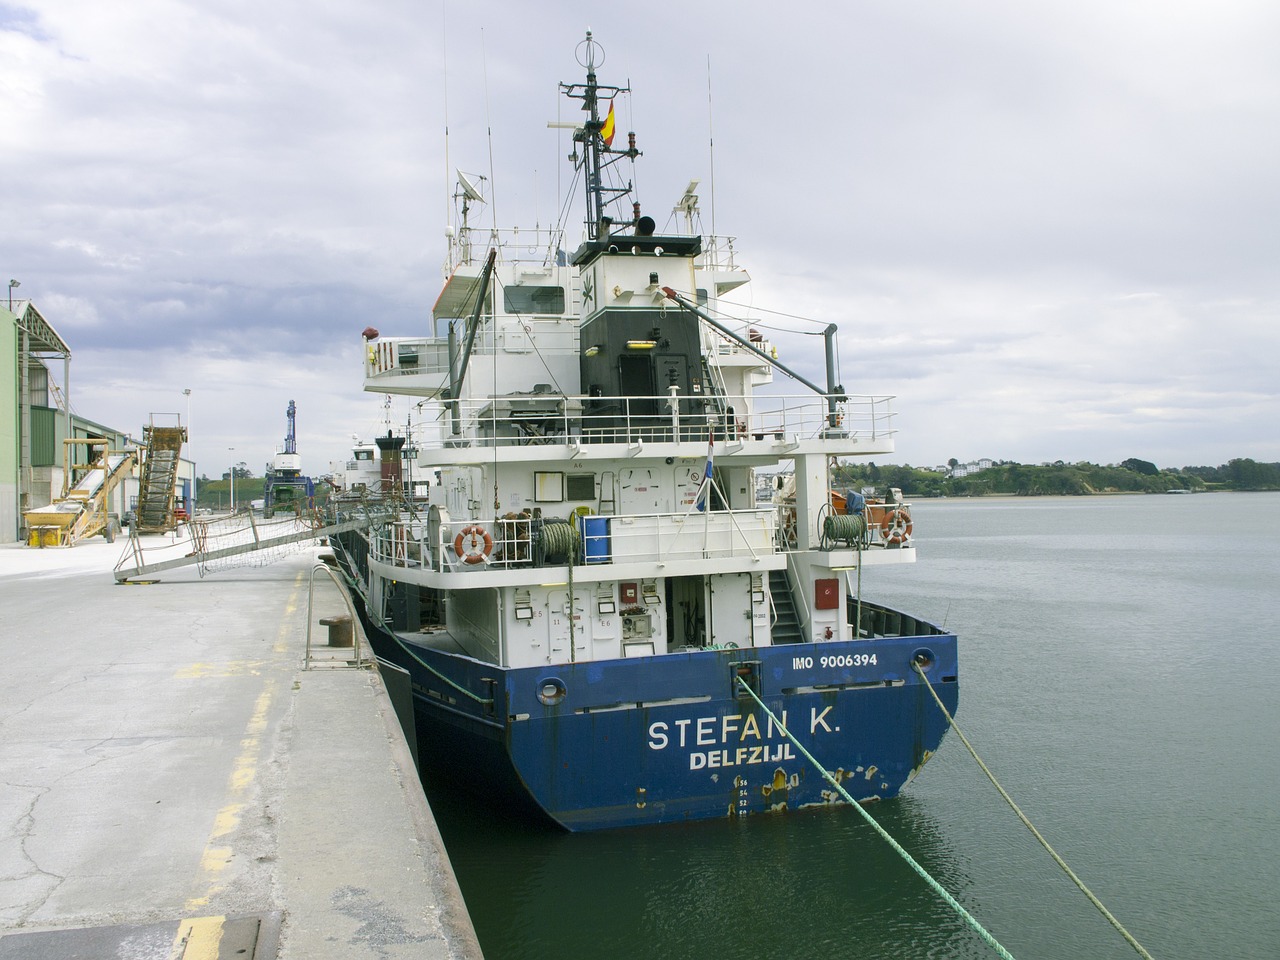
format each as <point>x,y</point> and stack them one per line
<point>1060,479</point>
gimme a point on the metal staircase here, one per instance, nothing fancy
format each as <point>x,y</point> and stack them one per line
<point>154,512</point>
<point>786,623</point>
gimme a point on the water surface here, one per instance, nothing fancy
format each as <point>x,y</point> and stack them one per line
<point>1117,665</point>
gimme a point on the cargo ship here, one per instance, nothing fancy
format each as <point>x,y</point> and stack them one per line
<point>599,616</point>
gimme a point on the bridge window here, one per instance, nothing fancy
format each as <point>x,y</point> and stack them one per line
<point>527,299</point>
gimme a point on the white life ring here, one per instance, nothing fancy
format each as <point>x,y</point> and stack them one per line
<point>473,544</point>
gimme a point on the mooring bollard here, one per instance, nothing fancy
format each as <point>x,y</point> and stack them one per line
<point>340,630</point>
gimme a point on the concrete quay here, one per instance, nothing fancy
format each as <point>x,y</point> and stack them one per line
<point>173,784</point>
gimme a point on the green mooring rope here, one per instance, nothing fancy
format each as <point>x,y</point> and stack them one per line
<point>1142,952</point>
<point>924,875</point>
<point>422,663</point>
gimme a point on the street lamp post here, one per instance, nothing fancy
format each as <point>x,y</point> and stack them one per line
<point>12,284</point>
<point>233,482</point>
<point>187,393</point>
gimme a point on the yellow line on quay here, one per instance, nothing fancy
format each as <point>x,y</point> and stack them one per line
<point>198,938</point>
<point>217,854</point>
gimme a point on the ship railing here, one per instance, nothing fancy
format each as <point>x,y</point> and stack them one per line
<point>542,417</point>
<point>393,357</point>
<point>514,245</point>
<point>406,356</point>
<point>718,253</point>
<point>411,356</point>
<point>390,358</point>
<point>723,347</point>
<point>520,540</point>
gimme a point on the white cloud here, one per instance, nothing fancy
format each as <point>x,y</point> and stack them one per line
<point>1049,228</point>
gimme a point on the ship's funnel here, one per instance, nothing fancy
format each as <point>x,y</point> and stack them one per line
<point>389,448</point>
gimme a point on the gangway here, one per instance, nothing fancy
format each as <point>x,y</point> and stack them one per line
<point>201,550</point>
<point>154,513</point>
<point>82,510</point>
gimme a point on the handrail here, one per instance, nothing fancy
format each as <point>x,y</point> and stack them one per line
<point>523,419</point>
<point>351,611</point>
<point>509,541</point>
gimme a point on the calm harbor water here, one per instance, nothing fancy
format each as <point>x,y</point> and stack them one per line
<point>1118,664</point>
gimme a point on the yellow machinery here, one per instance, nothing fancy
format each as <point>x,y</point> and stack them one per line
<point>81,511</point>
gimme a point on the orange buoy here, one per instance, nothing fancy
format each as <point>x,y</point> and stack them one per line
<point>896,527</point>
<point>473,544</point>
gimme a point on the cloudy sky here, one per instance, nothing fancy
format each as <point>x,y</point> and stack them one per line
<point>1051,229</point>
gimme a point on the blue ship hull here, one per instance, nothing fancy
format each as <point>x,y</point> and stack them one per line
<point>621,743</point>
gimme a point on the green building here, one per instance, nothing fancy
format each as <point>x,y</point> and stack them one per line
<point>35,418</point>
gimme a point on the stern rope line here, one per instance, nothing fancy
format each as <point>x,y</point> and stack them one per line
<point>432,670</point>
<point>941,891</point>
<point>1142,952</point>
<point>422,663</point>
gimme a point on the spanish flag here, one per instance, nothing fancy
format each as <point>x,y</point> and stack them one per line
<point>606,132</point>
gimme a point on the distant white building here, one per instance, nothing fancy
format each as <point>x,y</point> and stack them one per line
<point>967,469</point>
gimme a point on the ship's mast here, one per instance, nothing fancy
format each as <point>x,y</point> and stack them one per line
<point>596,153</point>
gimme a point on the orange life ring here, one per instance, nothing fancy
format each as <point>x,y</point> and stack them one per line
<point>896,527</point>
<point>473,544</point>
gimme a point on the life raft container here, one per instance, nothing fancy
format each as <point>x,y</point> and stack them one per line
<point>895,529</point>
<point>473,544</point>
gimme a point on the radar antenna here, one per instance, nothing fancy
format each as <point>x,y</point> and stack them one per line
<point>468,191</point>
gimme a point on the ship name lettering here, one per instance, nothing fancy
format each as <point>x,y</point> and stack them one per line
<point>734,727</point>
<point>683,724</point>
<point>816,719</point>
<point>706,731</point>
<point>658,735</point>
<point>743,756</point>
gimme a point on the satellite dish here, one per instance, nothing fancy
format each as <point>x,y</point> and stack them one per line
<point>469,188</point>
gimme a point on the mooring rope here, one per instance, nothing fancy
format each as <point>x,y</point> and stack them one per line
<point>844,527</point>
<point>559,541</point>
<point>364,599</point>
<point>461,689</point>
<point>951,901</point>
<point>1142,952</point>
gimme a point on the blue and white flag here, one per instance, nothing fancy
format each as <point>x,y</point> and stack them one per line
<point>704,491</point>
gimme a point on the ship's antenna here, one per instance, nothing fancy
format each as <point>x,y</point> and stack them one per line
<point>493,186</point>
<point>631,125</point>
<point>559,180</point>
<point>444,62</point>
<point>711,140</point>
